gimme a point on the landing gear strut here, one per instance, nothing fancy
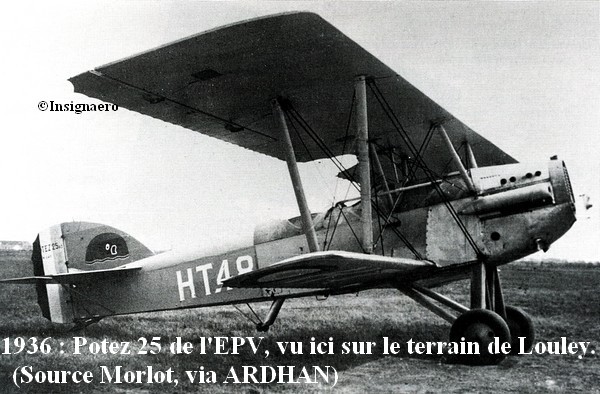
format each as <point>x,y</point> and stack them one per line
<point>488,318</point>
<point>271,316</point>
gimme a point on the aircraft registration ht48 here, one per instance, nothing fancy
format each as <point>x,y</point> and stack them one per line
<point>438,202</point>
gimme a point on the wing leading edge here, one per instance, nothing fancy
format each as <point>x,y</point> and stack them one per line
<point>330,270</point>
<point>220,83</point>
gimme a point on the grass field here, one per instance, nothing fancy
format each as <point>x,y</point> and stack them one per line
<point>562,298</point>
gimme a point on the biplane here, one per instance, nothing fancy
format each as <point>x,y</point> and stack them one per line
<point>435,201</point>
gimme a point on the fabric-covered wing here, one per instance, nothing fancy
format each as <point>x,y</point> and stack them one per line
<point>220,83</point>
<point>330,270</point>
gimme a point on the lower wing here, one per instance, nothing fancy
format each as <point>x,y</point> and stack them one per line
<point>332,270</point>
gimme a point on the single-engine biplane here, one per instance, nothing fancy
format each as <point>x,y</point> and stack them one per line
<point>438,202</point>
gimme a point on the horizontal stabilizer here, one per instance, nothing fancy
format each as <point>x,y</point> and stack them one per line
<point>28,280</point>
<point>75,277</point>
<point>329,270</point>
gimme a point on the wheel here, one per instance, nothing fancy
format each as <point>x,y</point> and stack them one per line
<point>520,325</point>
<point>480,326</point>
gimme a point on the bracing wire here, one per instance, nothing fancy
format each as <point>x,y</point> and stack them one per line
<point>430,174</point>
<point>323,146</point>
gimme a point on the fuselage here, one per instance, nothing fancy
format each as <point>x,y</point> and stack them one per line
<point>518,209</point>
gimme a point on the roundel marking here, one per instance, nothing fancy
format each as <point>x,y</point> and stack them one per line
<point>106,246</point>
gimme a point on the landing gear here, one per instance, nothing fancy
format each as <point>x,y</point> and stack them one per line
<point>271,316</point>
<point>487,319</point>
<point>480,326</point>
<point>521,326</point>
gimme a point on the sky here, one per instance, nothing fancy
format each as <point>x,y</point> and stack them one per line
<point>526,75</point>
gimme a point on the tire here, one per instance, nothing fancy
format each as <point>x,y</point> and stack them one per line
<point>481,326</point>
<point>520,325</point>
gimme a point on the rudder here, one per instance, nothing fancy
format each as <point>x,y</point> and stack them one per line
<point>78,246</point>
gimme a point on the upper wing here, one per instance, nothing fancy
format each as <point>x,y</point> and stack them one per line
<point>75,277</point>
<point>330,270</point>
<point>220,83</point>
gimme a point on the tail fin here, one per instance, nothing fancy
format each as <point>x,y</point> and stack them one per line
<point>78,246</point>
